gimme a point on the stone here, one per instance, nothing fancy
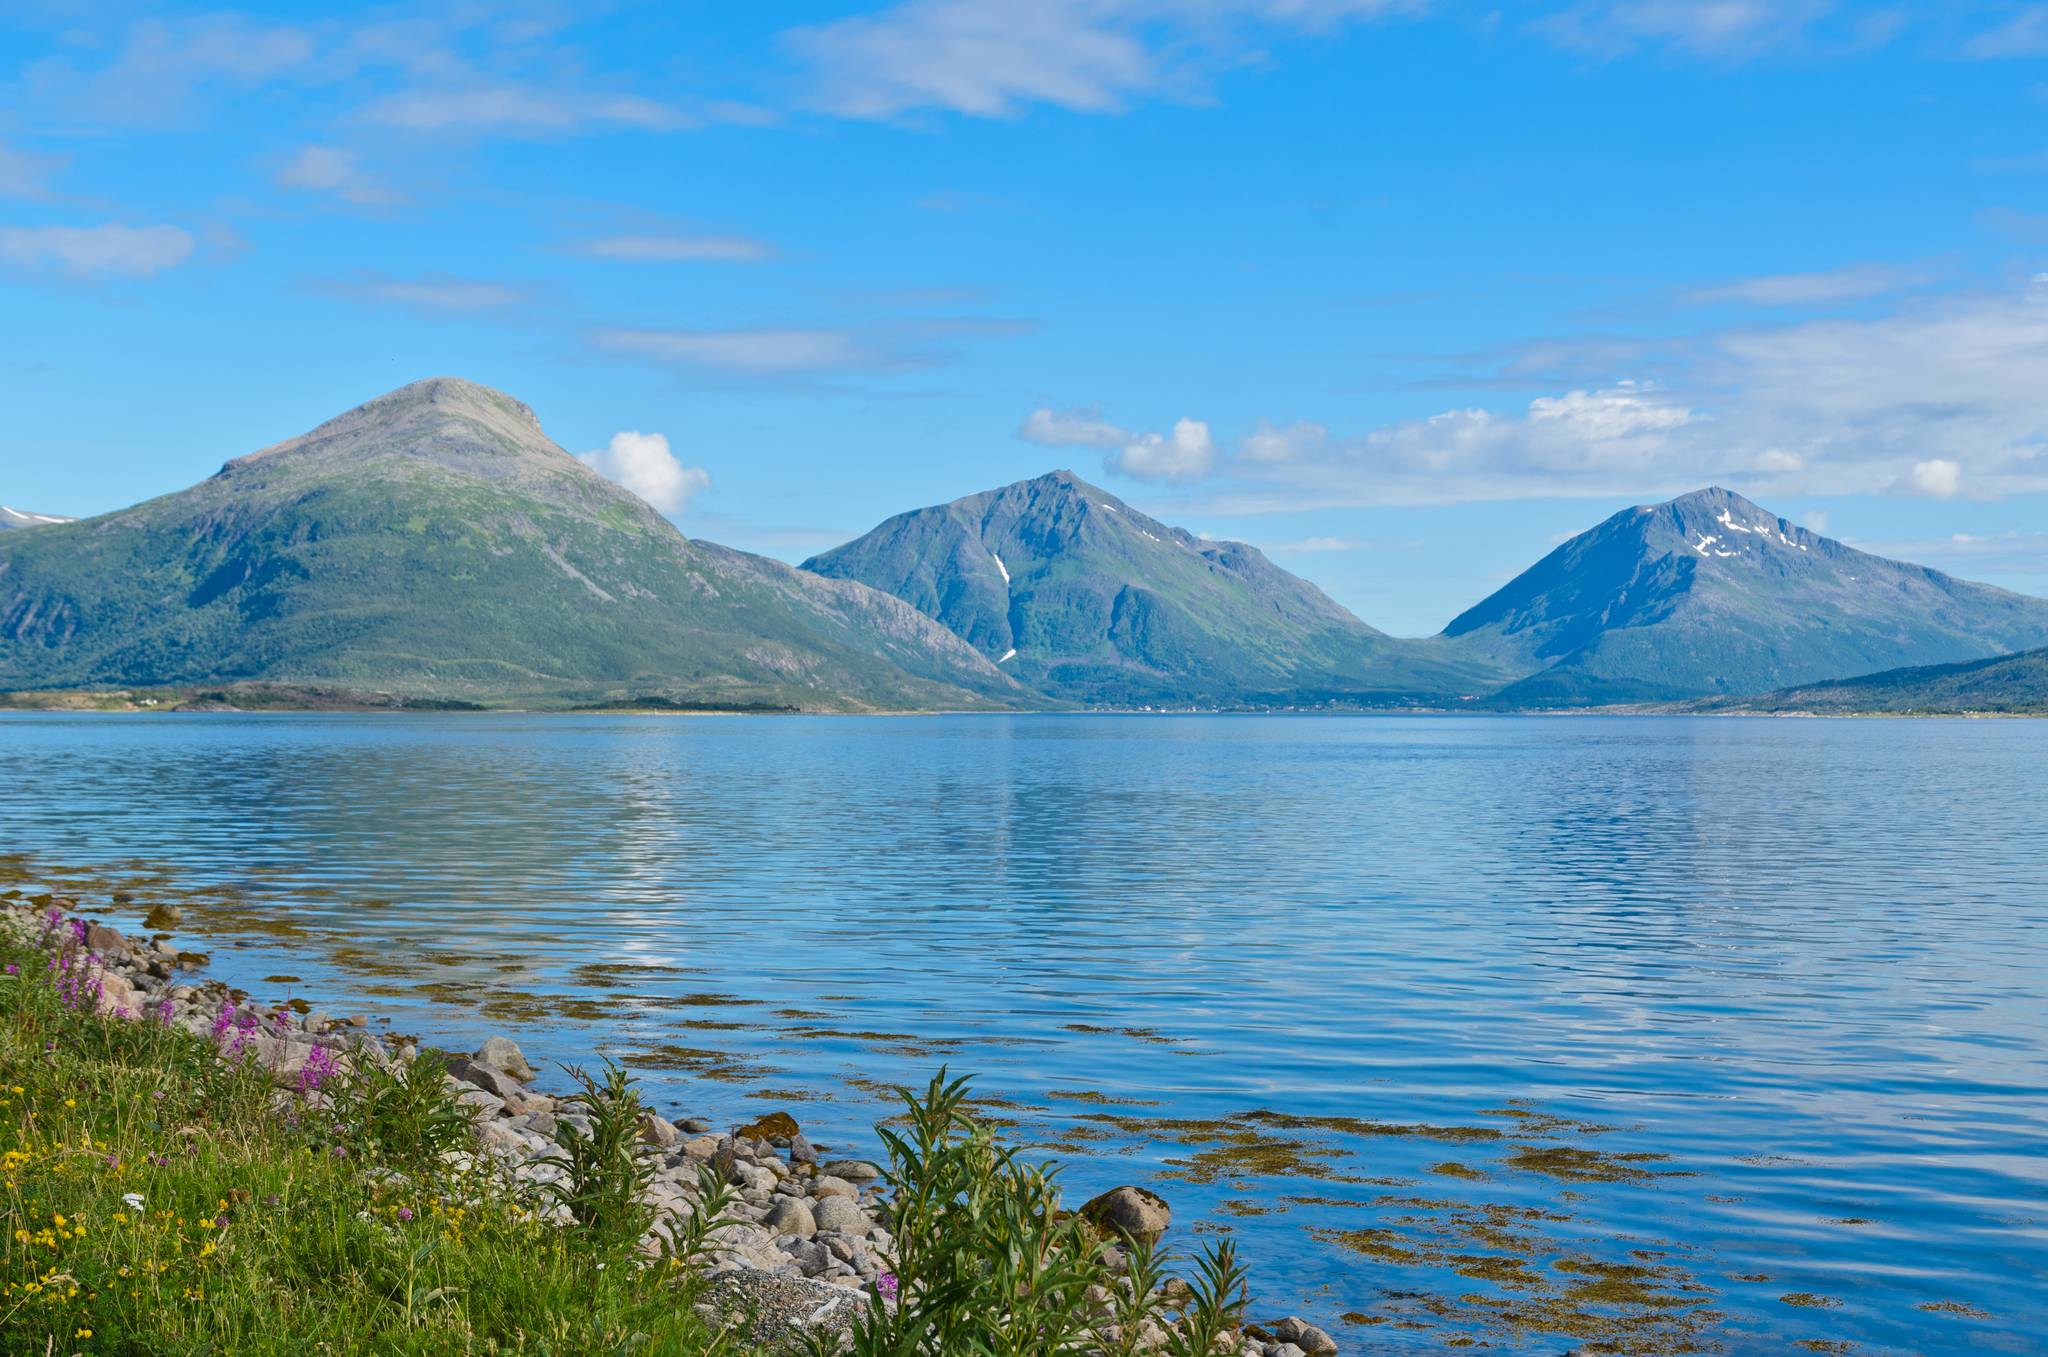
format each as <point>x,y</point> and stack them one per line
<point>105,941</point>
<point>1305,1336</point>
<point>503,1055</point>
<point>1283,1350</point>
<point>852,1170</point>
<point>790,1215</point>
<point>659,1131</point>
<point>696,1126</point>
<point>827,1186</point>
<point>841,1214</point>
<point>701,1147</point>
<point>801,1151</point>
<point>501,1086</point>
<point>1130,1211</point>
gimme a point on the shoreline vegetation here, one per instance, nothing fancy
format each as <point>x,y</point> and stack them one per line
<point>183,1171</point>
<point>277,697</point>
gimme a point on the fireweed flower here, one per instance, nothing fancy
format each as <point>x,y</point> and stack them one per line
<point>887,1285</point>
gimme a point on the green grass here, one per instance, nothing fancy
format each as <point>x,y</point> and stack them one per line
<point>262,1229</point>
<point>158,1196</point>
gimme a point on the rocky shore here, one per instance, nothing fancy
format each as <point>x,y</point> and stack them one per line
<point>803,1246</point>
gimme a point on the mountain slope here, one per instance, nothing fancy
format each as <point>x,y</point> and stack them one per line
<point>1082,597</point>
<point>2004,684</point>
<point>1709,594</point>
<point>435,541</point>
<point>15,518</point>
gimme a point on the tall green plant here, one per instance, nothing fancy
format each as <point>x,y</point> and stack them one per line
<point>605,1172</point>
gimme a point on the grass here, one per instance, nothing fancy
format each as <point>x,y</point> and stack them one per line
<point>161,1194</point>
<point>156,1200</point>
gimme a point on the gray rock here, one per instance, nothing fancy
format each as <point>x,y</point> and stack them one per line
<point>696,1126</point>
<point>1304,1336</point>
<point>774,1309</point>
<point>502,1086</point>
<point>841,1214</point>
<point>852,1170</point>
<point>1130,1211</point>
<point>789,1215</point>
<point>503,1055</point>
<point>825,1185</point>
<point>659,1131</point>
<point>801,1151</point>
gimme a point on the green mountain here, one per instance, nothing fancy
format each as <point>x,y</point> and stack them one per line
<point>2007,684</point>
<point>436,542</point>
<point>1709,594</point>
<point>15,518</point>
<point>1084,598</point>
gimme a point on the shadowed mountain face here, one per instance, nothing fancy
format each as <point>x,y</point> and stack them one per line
<point>15,518</point>
<point>1084,598</point>
<point>435,541</point>
<point>2009,683</point>
<point>1709,594</point>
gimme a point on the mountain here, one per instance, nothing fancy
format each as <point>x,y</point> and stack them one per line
<point>1084,598</point>
<point>15,518</point>
<point>2008,684</point>
<point>435,541</point>
<point>1709,594</point>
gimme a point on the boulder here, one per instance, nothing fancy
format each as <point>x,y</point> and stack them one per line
<point>801,1151</point>
<point>852,1170</point>
<point>790,1215</point>
<point>828,1186</point>
<point>773,1127</point>
<point>659,1131</point>
<point>1305,1336</point>
<point>503,1055</point>
<point>501,1086</point>
<point>1129,1211</point>
<point>842,1214</point>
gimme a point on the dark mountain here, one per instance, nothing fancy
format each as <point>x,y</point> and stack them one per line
<point>436,542</point>
<point>2008,684</point>
<point>15,518</point>
<point>1709,594</point>
<point>1084,598</point>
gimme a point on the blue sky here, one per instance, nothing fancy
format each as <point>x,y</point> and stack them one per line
<point>1402,290</point>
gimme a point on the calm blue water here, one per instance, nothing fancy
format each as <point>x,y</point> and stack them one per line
<point>1804,963</point>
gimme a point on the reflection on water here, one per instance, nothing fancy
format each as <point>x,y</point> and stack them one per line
<point>1688,1034</point>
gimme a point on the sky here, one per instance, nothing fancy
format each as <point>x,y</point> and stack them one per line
<point>1405,292</point>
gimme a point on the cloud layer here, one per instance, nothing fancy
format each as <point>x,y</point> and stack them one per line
<point>96,251</point>
<point>1938,400</point>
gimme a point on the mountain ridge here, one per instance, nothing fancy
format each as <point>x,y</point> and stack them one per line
<point>435,539</point>
<point>1085,598</point>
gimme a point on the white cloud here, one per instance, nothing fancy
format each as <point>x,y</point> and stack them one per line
<point>1186,453</point>
<point>428,292</point>
<point>643,464</point>
<point>1858,282</point>
<point>23,175</point>
<point>518,110</point>
<point>716,249</point>
<point>993,58</point>
<point>755,352</point>
<point>330,169</point>
<point>1072,429</point>
<point>85,251</point>
<point>1936,478</point>
<point>1942,397</point>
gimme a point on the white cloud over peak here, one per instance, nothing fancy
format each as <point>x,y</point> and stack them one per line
<point>643,464</point>
<point>89,251</point>
<point>1185,453</point>
<point>330,169</point>
<point>443,292</point>
<point>994,58</point>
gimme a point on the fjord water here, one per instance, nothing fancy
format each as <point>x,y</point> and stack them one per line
<point>1672,1016</point>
